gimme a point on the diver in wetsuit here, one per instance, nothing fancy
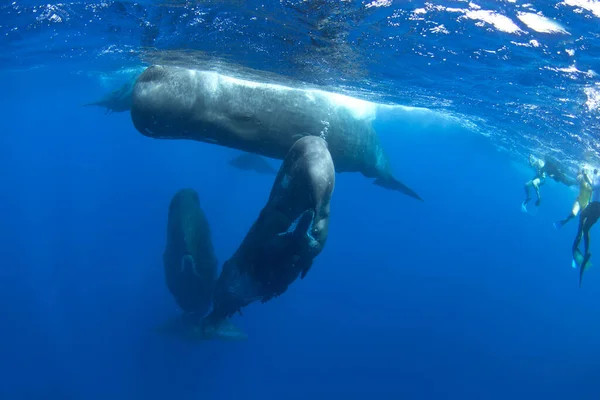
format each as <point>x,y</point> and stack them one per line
<point>549,167</point>
<point>585,194</point>
<point>554,170</point>
<point>588,217</point>
<point>540,177</point>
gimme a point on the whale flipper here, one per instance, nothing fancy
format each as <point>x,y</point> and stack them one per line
<point>252,162</point>
<point>299,234</point>
<point>392,183</point>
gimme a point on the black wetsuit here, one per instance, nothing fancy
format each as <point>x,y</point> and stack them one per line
<point>553,169</point>
<point>588,217</point>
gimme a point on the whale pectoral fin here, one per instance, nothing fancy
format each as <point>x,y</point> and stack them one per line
<point>300,235</point>
<point>394,184</point>
<point>305,271</point>
<point>301,227</point>
<point>252,162</point>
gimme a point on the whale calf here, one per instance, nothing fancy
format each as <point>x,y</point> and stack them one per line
<point>290,231</point>
<point>171,102</point>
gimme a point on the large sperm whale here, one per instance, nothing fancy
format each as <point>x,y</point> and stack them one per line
<point>171,102</point>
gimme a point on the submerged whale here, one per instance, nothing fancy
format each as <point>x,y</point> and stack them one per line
<point>189,259</point>
<point>178,103</point>
<point>190,267</point>
<point>291,230</point>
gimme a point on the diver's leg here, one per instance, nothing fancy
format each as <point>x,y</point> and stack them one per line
<point>536,185</point>
<point>574,212</point>
<point>587,254</point>
<point>588,223</point>
<point>593,213</point>
<point>527,185</point>
<point>575,248</point>
<point>586,239</point>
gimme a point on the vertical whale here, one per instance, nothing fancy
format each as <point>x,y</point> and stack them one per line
<point>290,231</point>
<point>189,260</point>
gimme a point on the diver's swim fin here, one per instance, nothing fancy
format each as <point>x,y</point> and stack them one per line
<point>392,183</point>
<point>585,265</point>
<point>558,225</point>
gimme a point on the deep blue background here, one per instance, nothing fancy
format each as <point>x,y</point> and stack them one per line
<point>462,296</point>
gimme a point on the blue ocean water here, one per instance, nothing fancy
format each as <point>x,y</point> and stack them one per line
<point>462,296</point>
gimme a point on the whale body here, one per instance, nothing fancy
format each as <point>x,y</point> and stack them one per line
<point>171,102</point>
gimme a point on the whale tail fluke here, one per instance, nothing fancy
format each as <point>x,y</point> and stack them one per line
<point>392,183</point>
<point>223,330</point>
<point>198,331</point>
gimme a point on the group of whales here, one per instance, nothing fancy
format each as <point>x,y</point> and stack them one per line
<point>314,134</point>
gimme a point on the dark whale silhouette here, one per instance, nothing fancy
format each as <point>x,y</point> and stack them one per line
<point>191,267</point>
<point>291,230</point>
<point>189,259</point>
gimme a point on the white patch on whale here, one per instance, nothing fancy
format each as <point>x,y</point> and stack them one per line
<point>294,225</point>
<point>285,181</point>
<point>361,109</point>
<point>188,260</point>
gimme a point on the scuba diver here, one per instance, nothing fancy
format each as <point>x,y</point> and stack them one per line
<point>549,167</point>
<point>585,194</point>
<point>588,217</point>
